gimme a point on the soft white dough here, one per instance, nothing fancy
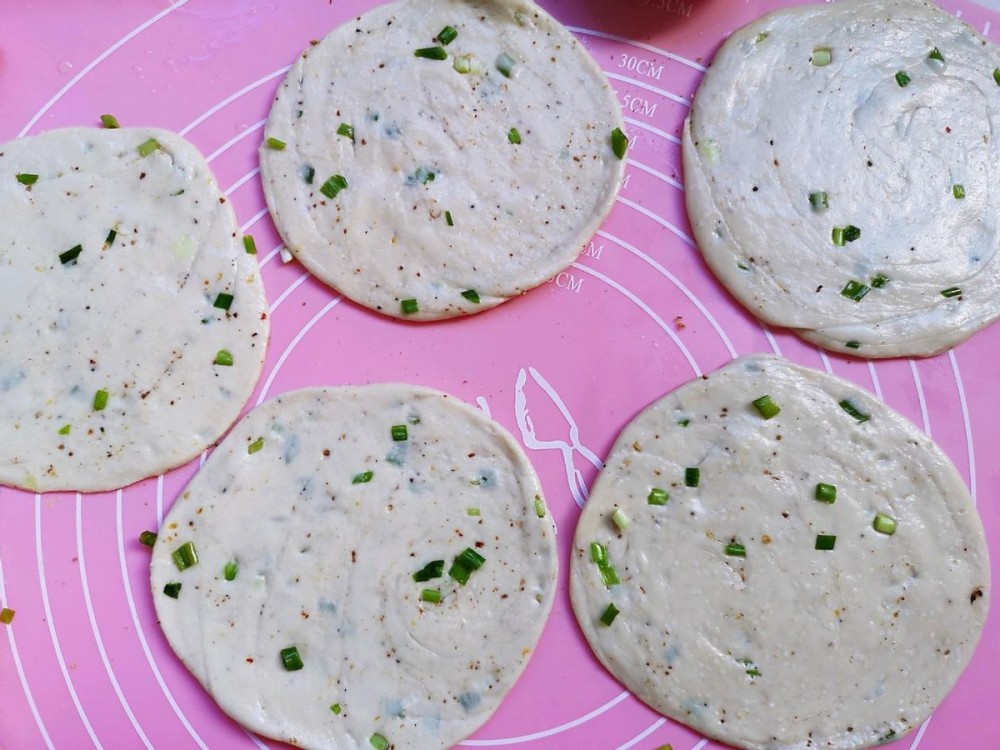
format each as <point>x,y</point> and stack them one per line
<point>790,646</point>
<point>769,127</point>
<point>431,142</point>
<point>326,563</point>
<point>134,316</point>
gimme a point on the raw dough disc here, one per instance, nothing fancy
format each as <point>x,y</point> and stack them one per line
<point>328,517</point>
<point>111,265</point>
<point>431,143</point>
<point>789,646</point>
<point>888,139</point>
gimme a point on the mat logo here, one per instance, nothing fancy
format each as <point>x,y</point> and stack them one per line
<point>677,7</point>
<point>640,65</point>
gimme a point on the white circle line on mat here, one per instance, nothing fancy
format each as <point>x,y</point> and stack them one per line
<point>920,733</point>
<point>640,45</point>
<point>643,734</point>
<point>159,501</point>
<point>826,361</point>
<point>875,381</point>
<point>549,732</point>
<point>771,340</point>
<point>963,404</point>
<point>232,98</point>
<point>657,174</point>
<point>291,288</point>
<point>50,622</point>
<point>648,87</point>
<point>655,217</point>
<point>256,217</point>
<point>141,633</point>
<point>270,256</point>
<point>88,602</point>
<point>242,181</point>
<point>97,61</point>
<point>236,139</point>
<point>925,417</point>
<point>662,133</point>
<point>25,688</point>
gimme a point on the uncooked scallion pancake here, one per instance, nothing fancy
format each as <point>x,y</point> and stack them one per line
<point>434,158</point>
<point>133,322</point>
<point>778,560</point>
<point>841,175</point>
<point>374,568</point>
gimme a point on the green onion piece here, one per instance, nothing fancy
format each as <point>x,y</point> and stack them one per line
<point>609,575</point>
<point>275,144</point>
<point>619,143</point>
<point>851,233</point>
<point>692,476</point>
<point>513,136</point>
<point>958,191</point>
<point>996,76</point>
<point>333,186</point>
<point>148,147</point>
<point>609,615</point>
<point>249,245</point>
<point>884,524</point>
<point>734,549</point>
<point>822,56</point>
<point>598,553</point>
<point>185,556</point>
<point>346,130</point>
<point>620,519</point>
<point>470,559</point>
<point>657,496</point>
<point>448,220</point>
<point>26,179</point>
<point>751,668</point>
<point>308,173</point>
<point>879,280</point>
<point>935,54</point>
<point>399,432</point>
<point>110,240</point>
<point>766,407</point>
<point>505,64</point>
<point>432,53</point>
<point>684,422</point>
<point>848,406</point>
<point>472,295</point>
<point>378,742</point>
<point>230,570</point>
<point>363,477</point>
<point>148,538</point>
<point>472,511</point>
<point>539,506</point>
<point>70,255</point>
<point>224,358</point>
<point>172,590</point>
<point>65,429</point>
<point>952,291</point>
<point>433,569</point>
<point>100,400</point>
<point>290,659</point>
<point>223,300</point>
<point>826,493</point>
<point>462,64</point>
<point>825,541</point>
<point>855,290</point>
<point>459,572</point>
<point>431,595</point>
<point>110,122</point>
<point>902,79</point>
<point>255,446</point>
<point>408,306</point>
<point>6,616</point>
<point>819,201</point>
<point>838,236</point>
<point>447,35</point>
<point>853,344</point>
<point>336,708</point>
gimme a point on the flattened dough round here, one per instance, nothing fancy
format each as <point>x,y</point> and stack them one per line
<point>891,135</point>
<point>790,646</point>
<point>429,143</point>
<point>132,314</point>
<point>326,562</point>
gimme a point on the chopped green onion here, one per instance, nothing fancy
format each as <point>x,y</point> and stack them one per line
<point>148,538</point>
<point>431,595</point>
<point>336,708</point>
<point>448,220</point>
<point>619,143</point>
<point>751,668</point>
<point>249,245</point>
<point>505,64</point>
<point>657,496</point>
<point>433,569</point>
<point>952,291</point>
<point>692,476</point>
<point>399,432</point>
<point>346,130</point>
<point>447,35</point>
<point>100,400</point>
<point>172,589</point>
<point>958,191</point>
<point>935,54</point>
<point>826,493</point>
<point>884,524</point>
<point>291,659</point>
<point>822,56</point>
<point>513,136</point>
<point>308,174</point>
<point>766,407</point>
<point>609,575</point>
<point>408,306</point>
<point>539,506</point>
<point>472,295</point>
<point>848,406</point>
<point>996,76</point>
<point>620,519</point>
<point>472,511</point>
<point>65,429</point>
<point>684,422</point>
<point>902,79</point>
<point>6,616</point>
<point>148,147</point>
<point>363,477</point>
<point>855,290</point>
<point>378,742</point>
<point>230,570</point>
<point>26,179</point>
<point>733,549</point>
<point>825,541</point>
<point>70,255</point>
<point>459,573</point>
<point>853,344</point>
<point>879,280</point>
<point>224,358</point>
<point>110,239</point>
<point>598,553</point>
<point>432,53</point>
<point>851,233</point>
<point>110,122</point>
<point>275,144</point>
<point>819,201</point>
<point>462,64</point>
<point>470,559</point>
<point>838,236</point>
<point>255,446</point>
<point>609,615</point>
<point>185,556</point>
<point>223,300</point>
<point>333,186</point>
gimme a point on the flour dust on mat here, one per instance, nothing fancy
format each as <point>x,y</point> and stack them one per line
<point>434,158</point>
<point>134,322</point>
<point>778,560</point>
<point>356,567</point>
<point>841,175</point>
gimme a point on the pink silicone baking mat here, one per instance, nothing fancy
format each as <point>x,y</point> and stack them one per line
<point>564,368</point>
